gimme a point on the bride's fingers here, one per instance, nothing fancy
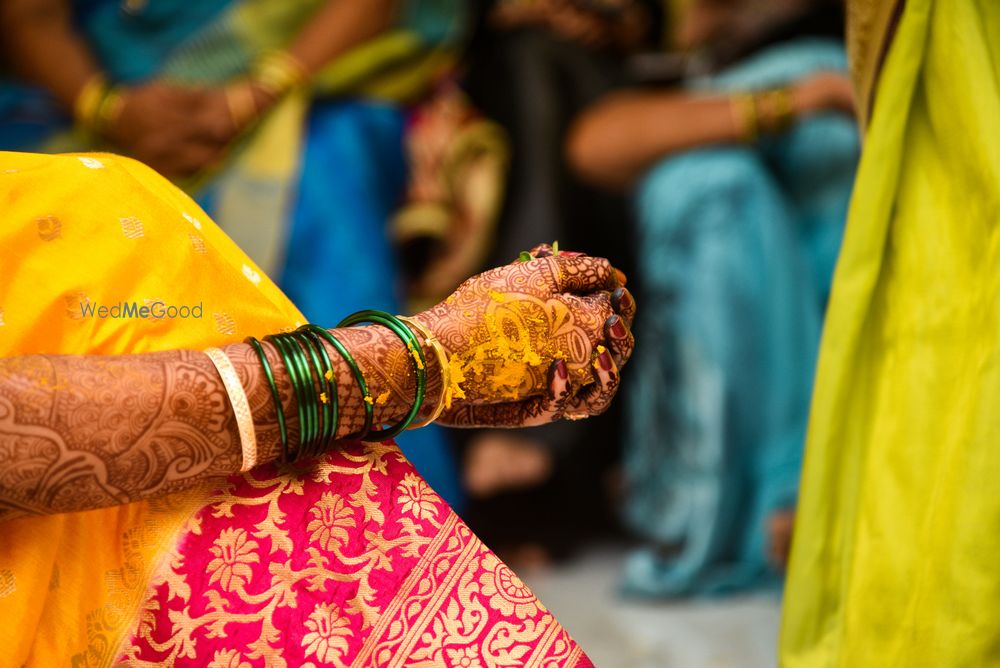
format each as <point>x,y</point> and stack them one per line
<point>624,305</point>
<point>583,273</point>
<point>528,413</point>
<point>621,343</point>
<point>541,250</point>
<point>595,398</point>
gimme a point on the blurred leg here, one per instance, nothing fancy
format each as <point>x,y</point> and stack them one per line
<point>719,389</point>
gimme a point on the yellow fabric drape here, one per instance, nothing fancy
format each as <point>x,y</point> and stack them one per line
<point>896,556</point>
<point>103,229</point>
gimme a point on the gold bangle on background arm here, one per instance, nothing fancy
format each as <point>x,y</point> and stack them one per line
<point>241,407</point>
<point>87,105</point>
<point>744,107</point>
<point>777,105</point>
<point>278,72</point>
<point>442,358</point>
<point>110,108</point>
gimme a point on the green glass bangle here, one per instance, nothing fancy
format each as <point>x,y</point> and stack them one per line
<point>322,413</point>
<point>308,388</point>
<point>324,367</point>
<point>412,344</point>
<point>310,394</point>
<point>355,370</point>
<point>275,394</point>
<point>292,368</point>
<point>313,381</point>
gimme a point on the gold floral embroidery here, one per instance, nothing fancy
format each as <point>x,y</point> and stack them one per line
<point>132,227</point>
<point>229,658</point>
<point>416,498</point>
<point>198,244</point>
<point>464,657</point>
<point>331,519</point>
<point>76,304</point>
<point>328,633</point>
<point>507,592</point>
<point>234,553</point>
<point>224,323</point>
<point>8,583</point>
<point>2,323</point>
<point>49,227</point>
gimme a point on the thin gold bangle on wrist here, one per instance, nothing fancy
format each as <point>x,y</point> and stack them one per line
<point>778,103</point>
<point>277,72</point>
<point>744,107</point>
<point>241,407</point>
<point>87,105</point>
<point>444,400</point>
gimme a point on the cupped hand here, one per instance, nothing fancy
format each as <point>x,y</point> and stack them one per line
<point>534,341</point>
<point>177,130</point>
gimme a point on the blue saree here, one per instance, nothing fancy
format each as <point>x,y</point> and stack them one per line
<point>736,251</point>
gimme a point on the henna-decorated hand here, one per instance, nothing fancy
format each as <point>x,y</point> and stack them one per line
<point>535,341</point>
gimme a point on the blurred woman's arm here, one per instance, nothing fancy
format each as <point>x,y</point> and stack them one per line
<point>617,140</point>
<point>39,43</point>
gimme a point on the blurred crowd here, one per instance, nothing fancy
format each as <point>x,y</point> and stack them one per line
<point>374,154</point>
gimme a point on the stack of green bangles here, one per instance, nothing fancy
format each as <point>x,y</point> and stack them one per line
<point>310,371</point>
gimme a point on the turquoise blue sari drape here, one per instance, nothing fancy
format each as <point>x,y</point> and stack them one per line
<point>736,250</point>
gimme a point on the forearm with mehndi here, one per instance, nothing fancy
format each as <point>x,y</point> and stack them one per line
<point>82,432</point>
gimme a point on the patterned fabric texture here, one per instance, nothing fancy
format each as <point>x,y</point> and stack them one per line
<point>353,561</point>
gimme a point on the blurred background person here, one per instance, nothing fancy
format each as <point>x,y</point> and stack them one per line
<point>532,66</point>
<point>285,119</point>
<point>742,177</point>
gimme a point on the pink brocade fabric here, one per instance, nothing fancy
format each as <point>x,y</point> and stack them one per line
<point>354,561</point>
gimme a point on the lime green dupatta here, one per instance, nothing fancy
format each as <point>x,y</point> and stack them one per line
<point>895,556</point>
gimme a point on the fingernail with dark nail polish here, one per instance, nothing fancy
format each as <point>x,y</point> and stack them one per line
<point>543,253</point>
<point>562,369</point>
<point>604,359</point>
<point>617,328</point>
<point>626,302</point>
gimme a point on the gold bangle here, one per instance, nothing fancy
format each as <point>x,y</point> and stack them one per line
<point>744,106</point>
<point>87,105</point>
<point>278,72</point>
<point>242,106</point>
<point>111,108</point>
<point>442,358</point>
<point>778,102</point>
<point>241,407</point>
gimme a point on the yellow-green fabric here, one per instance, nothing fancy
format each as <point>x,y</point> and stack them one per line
<point>896,554</point>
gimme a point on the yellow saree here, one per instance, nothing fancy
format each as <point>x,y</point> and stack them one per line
<point>70,584</point>
<point>349,559</point>
<point>894,561</point>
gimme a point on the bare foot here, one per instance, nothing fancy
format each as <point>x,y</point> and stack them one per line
<point>499,461</point>
<point>779,532</point>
